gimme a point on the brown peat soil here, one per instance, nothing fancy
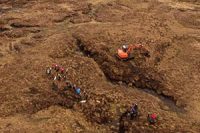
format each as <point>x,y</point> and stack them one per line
<point>83,36</point>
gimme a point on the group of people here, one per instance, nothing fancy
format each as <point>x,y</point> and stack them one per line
<point>58,75</point>
<point>152,118</point>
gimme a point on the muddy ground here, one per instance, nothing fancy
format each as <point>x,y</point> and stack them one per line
<point>83,36</point>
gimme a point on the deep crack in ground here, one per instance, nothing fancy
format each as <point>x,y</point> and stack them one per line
<point>167,100</point>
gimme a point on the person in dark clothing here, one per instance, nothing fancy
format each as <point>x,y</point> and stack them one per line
<point>54,86</point>
<point>68,84</point>
<point>134,111</point>
<point>65,88</point>
<point>123,122</point>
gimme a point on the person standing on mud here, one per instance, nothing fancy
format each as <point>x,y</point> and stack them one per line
<point>68,85</point>
<point>55,67</point>
<point>63,74</point>
<point>77,92</point>
<point>123,123</point>
<point>59,77</point>
<point>152,118</point>
<point>54,86</point>
<point>62,70</point>
<point>134,111</point>
<point>49,71</point>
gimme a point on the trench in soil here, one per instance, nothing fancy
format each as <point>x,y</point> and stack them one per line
<point>167,100</point>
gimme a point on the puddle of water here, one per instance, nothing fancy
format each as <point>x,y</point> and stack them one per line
<point>167,101</point>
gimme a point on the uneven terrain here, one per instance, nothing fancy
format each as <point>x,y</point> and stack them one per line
<point>83,36</point>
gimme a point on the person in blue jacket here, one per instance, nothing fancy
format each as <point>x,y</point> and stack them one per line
<point>78,90</point>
